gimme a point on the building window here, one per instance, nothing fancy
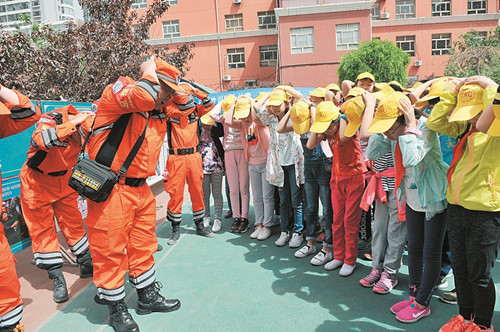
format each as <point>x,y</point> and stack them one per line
<point>407,44</point>
<point>171,29</point>
<point>234,22</point>
<point>347,36</point>
<point>267,20</point>
<point>375,11</point>
<point>441,7</point>
<point>476,7</point>
<point>405,9</point>
<point>268,55</point>
<point>441,44</point>
<point>302,40</point>
<point>236,58</point>
<point>140,4</point>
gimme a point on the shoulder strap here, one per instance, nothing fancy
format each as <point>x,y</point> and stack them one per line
<point>107,152</point>
<point>123,170</point>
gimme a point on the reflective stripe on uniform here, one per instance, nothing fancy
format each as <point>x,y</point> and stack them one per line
<point>100,130</point>
<point>112,295</point>
<point>190,104</point>
<point>151,88</point>
<point>81,246</point>
<point>173,217</point>
<point>208,102</point>
<point>145,279</point>
<point>12,317</point>
<point>50,138</point>
<point>47,259</point>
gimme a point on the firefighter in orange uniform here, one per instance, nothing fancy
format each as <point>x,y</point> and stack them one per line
<point>45,194</point>
<point>122,229</point>
<point>16,115</point>
<point>184,162</point>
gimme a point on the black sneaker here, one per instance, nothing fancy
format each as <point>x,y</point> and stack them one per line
<point>243,227</point>
<point>449,297</point>
<point>235,226</point>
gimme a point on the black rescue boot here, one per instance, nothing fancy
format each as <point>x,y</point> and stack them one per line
<point>85,262</point>
<point>150,300</point>
<point>202,230</point>
<point>176,233</point>
<point>60,288</point>
<point>18,327</point>
<point>121,319</point>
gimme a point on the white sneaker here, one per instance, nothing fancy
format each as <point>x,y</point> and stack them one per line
<point>283,239</point>
<point>321,258</point>
<point>335,264</point>
<point>305,251</point>
<point>206,221</point>
<point>217,225</point>
<point>296,240</point>
<point>346,270</point>
<point>256,232</point>
<point>264,234</point>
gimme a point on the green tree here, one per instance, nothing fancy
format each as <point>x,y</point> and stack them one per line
<point>382,58</point>
<point>476,54</point>
<point>78,63</point>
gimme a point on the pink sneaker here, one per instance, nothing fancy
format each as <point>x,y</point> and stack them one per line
<point>385,284</point>
<point>401,305</point>
<point>411,313</point>
<point>370,279</point>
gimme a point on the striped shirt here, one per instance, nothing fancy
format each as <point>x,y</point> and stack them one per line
<point>380,165</point>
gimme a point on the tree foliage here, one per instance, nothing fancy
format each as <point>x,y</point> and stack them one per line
<point>382,58</point>
<point>476,54</point>
<point>76,64</point>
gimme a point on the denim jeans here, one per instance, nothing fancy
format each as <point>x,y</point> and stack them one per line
<point>317,186</point>
<point>291,197</point>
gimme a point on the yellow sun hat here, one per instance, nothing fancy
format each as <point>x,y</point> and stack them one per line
<point>332,87</point>
<point>228,102</point>
<point>353,110</point>
<point>319,92</point>
<point>387,113</point>
<point>384,90</point>
<point>300,115</point>
<point>207,120</point>
<point>366,75</point>
<point>326,112</point>
<point>242,108</point>
<point>436,90</point>
<point>276,98</point>
<point>354,92</point>
<point>260,96</point>
<point>469,103</point>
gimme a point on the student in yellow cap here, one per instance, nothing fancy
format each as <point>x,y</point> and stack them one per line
<point>255,140</point>
<point>346,183</point>
<point>388,234</point>
<point>317,96</point>
<point>212,156</point>
<point>364,80</point>
<point>474,206</point>
<point>285,166</point>
<point>334,94</point>
<point>317,182</point>
<point>420,184</point>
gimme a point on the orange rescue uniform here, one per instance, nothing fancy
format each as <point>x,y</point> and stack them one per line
<point>45,193</point>
<point>13,119</point>
<point>122,229</point>
<point>184,163</point>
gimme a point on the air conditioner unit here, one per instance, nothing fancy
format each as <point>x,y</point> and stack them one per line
<point>418,63</point>
<point>226,78</point>
<point>237,1</point>
<point>385,16</point>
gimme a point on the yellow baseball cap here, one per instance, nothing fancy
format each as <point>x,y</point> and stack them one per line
<point>436,90</point>
<point>207,120</point>
<point>387,112</point>
<point>353,110</point>
<point>260,96</point>
<point>354,92</point>
<point>276,98</point>
<point>288,87</point>
<point>326,112</point>
<point>319,92</point>
<point>384,90</point>
<point>495,125</point>
<point>333,86</point>
<point>365,75</point>
<point>300,115</point>
<point>469,103</point>
<point>228,102</point>
<point>242,108</point>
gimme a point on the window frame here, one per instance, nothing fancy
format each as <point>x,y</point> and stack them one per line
<point>229,18</point>
<point>232,52</point>
<point>171,23</point>
<point>440,37</point>
<point>270,49</point>
<point>475,11</point>
<point>294,47</point>
<point>437,4</point>
<point>403,4</point>
<point>263,16</point>
<point>350,45</point>
<point>409,40</point>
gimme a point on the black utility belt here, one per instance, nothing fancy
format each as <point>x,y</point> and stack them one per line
<point>59,173</point>
<point>134,182</point>
<point>181,151</point>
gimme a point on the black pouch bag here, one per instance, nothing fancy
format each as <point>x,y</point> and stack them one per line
<point>94,179</point>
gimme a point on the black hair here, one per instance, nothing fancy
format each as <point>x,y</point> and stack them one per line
<point>396,87</point>
<point>401,119</point>
<point>433,101</point>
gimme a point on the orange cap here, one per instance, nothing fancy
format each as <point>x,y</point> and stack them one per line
<point>168,74</point>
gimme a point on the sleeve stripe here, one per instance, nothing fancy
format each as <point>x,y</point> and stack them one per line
<point>50,138</point>
<point>190,104</point>
<point>22,112</point>
<point>151,88</point>
<point>208,102</point>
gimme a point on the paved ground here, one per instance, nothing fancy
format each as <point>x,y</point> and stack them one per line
<point>233,283</point>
